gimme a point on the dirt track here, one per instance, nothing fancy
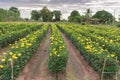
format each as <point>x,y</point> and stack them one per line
<point>77,68</point>
<point>36,68</point>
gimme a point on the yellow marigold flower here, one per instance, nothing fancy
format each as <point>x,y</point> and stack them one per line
<point>58,55</point>
<point>9,59</point>
<point>12,47</point>
<point>112,55</point>
<point>50,54</point>
<point>22,45</point>
<point>88,47</point>
<point>14,56</point>
<point>10,53</point>
<point>1,66</point>
<point>111,41</point>
<point>55,52</point>
<point>63,46</point>
<point>29,44</point>
<point>3,60</point>
<point>51,43</point>
<point>16,46</point>
<point>54,49</point>
<point>4,53</point>
<point>108,55</point>
<point>19,54</point>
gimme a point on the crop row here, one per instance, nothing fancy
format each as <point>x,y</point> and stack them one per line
<point>12,36</point>
<point>6,28</point>
<point>93,47</point>
<point>109,40</point>
<point>57,54</point>
<point>19,54</point>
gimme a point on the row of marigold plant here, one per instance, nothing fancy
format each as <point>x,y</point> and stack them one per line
<point>58,54</point>
<point>108,39</point>
<point>6,28</point>
<point>90,48</point>
<point>12,36</point>
<point>12,62</point>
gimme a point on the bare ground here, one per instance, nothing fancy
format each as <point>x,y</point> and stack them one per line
<point>77,68</point>
<point>36,68</point>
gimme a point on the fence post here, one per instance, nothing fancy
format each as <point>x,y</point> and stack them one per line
<point>116,72</point>
<point>103,68</point>
<point>12,76</point>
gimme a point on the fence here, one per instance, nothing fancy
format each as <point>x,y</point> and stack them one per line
<point>117,74</point>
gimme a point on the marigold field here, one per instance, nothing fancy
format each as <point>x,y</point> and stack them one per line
<point>99,45</point>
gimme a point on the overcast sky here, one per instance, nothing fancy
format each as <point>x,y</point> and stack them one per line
<point>66,6</point>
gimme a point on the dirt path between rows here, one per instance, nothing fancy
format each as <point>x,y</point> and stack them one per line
<point>36,68</point>
<point>77,67</point>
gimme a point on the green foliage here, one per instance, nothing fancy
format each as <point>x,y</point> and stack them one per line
<point>96,44</point>
<point>104,17</point>
<point>35,15</point>
<point>46,14</point>
<point>74,17</point>
<point>9,15</point>
<point>58,54</point>
<point>21,52</point>
<point>118,24</point>
<point>57,14</point>
<point>15,10</point>
<point>9,33</point>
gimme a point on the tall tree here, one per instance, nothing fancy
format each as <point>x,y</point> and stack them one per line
<point>8,15</point>
<point>104,16</point>
<point>35,15</point>
<point>74,16</point>
<point>57,14</point>
<point>46,14</point>
<point>14,9</point>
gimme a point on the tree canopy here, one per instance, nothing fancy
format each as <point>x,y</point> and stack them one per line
<point>74,16</point>
<point>57,14</point>
<point>12,14</point>
<point>35,15</point>
<point>46,14</point>
<point>104,16</point>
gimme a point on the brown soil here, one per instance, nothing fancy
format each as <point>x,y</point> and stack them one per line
<point>77,68</point>
<point>36,68</point>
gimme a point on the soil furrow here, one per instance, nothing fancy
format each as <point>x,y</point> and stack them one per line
<point>77,67</point>
<point>36,68</point>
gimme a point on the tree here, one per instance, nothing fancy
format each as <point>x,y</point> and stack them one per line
<point>57,14</point>
<point>104,16</point>
<point>46,14</point>
<point>74,17</point>
<point>35,15</point>
<point>14,9</point>
<point>8,15</point>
